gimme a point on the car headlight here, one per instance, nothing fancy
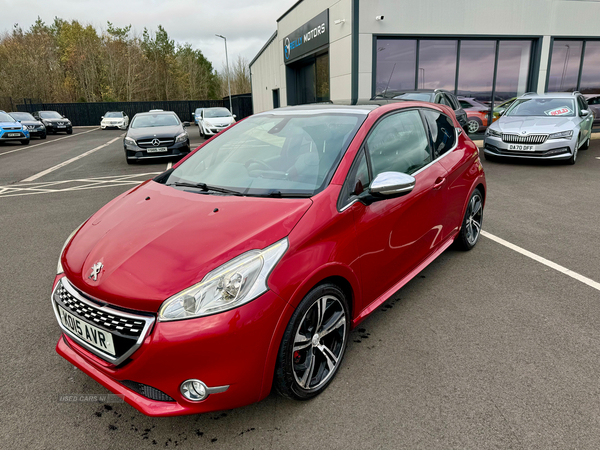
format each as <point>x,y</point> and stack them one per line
<point>182,137</point>
<point>59,267</point>
<point>229,286</point>
<point>561,135</point>
<point>129,141</point>
<point>490,132</point>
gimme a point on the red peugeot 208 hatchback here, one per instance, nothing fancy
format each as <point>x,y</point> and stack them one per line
<point>247,264</point>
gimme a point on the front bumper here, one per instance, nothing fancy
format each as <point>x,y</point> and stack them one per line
<point>178,149</point>
<point>211,131</point>
<point>22,135</point>
<point>226,349</point>
<point>53,128</point>
<point>120,126</point>
<point>555,149</point>
<point>40,131</point>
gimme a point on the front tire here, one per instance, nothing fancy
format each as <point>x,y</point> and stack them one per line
<point>469,233</point>
<point>25,142</point>
<point>573,159</point>
<point>313,344</point>
<point>70,131</point>
<point>473,125</point>
<point>43,136</point>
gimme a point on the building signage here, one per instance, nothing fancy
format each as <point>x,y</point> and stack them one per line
<point>309,37</point>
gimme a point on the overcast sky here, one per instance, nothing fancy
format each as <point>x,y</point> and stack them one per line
<point>246,24</point>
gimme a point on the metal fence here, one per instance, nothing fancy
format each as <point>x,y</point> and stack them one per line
<point>89,114</point>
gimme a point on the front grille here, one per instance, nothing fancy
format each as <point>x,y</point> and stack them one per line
<point>11,128</point>
<point>147,391</point>
<point>537,154</point>
<point>111,323</point>
<point>146,143</point>
<point>529,139</point>
<point>127,329</point>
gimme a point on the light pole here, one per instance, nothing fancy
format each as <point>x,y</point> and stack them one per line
<point>227,61</point>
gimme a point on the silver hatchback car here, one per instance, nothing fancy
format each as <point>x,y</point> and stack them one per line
<point>544,126</point>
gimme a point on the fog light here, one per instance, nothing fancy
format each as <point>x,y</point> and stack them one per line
<point>194,390</point>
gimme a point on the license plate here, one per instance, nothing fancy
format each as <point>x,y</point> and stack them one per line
<point>522,148</point>
<point>13,134</point>
<point>157,150</point>
<point>61,126</point>
<point>86,332</point>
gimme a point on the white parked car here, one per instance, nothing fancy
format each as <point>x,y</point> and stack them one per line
<point>213,120</point>
<point>114,119</point>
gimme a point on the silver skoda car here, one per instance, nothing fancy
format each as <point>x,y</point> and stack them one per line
<point>545,126</point>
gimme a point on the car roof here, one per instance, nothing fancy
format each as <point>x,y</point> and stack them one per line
<point>154,113</point>
<point>322,108</point>
<point>550,95</point>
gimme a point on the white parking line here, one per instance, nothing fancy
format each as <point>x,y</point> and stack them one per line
<point>69,161</point>
<point>546,262</point>
<point>27,147</point>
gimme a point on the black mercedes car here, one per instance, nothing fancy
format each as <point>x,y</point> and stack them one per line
<point>440,96</point>
<point>35,127</point>
<point>157,134</point>
<point>54,122</point>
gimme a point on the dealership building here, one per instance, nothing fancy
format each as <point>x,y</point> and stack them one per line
<point>490,50</point>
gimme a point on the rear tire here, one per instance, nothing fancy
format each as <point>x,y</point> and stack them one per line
<point>314,343</point>
<point>586,145</point>
<point>469,233</point>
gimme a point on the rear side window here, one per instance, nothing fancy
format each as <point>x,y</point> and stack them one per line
<point>399,143</point>
<point>443,133</point>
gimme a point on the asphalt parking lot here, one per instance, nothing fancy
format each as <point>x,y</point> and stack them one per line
<point>490,349</point>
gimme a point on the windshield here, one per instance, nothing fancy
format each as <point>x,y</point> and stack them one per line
<point>22,116</point>
<point>155,120</point>
<point>551,107</point>
<point>50,115</point>
<point>216,112</point>
<point>419,96</point>
<point>6,118</point>
<point>273,155</point>
<point>113,114</point>
<point>198,111</point>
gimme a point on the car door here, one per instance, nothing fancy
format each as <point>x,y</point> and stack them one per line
<point>395,235</point>
<point>586,122</point>
<point>458,162</point>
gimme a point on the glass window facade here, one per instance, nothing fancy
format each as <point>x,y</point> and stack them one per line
<point>396,65</point>
<point>575,66</point>
<point>437,64</point>
<point>466,67</point>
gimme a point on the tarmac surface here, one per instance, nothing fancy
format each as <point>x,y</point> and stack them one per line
<point>488,349</point>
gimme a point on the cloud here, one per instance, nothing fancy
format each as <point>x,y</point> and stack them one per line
<point>246,24</point>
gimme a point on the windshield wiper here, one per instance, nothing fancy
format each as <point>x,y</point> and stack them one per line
<point>277,194</point>
<point>206,187</point>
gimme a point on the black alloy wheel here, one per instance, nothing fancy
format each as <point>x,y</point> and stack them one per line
<point>313,344</point>
<point>470,230</point>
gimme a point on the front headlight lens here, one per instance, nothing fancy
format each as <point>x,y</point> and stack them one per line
<point>182,137</point>
<point>229,286</point>
<point>59,267</point>
<point>561,135</point>
<point>129,141</point>
<point>490,132</point>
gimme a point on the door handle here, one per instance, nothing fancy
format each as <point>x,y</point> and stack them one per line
<point>439,182</point>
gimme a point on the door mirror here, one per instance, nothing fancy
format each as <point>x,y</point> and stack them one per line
<point>102,117</point>
<point>186,124</point>
<point>392,183</point>
<point>234,116</point>
<point>584,113</point>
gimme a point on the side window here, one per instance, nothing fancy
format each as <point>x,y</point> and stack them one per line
<point>452,102</point>
<point>357,180</point>
<point>582,103</point>
<point>443,133</point>
<point>399,143</point>
<point>464,105</point>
